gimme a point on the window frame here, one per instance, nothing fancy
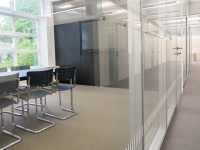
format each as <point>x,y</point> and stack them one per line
<point>14,34</point>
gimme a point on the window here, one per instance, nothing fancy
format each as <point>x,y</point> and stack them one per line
<point>6,3</point>
<point>25,26</point>
<point>27,59</point>
<point>6,60</point>
<point>27,43</point>
<point>28,6</point>
<point>5,23</point>
<point>26,53</point>
<point>5,43</point>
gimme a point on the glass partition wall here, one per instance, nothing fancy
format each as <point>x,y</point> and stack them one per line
<point>138,54</point>
<point>130,56</point>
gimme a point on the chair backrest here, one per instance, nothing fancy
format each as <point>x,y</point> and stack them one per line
<point>40,78</point>
<point>15,68</point>
<point>65,74</point>
<point>3,69</point>
<point>8,84</point>
<point>25,67</point>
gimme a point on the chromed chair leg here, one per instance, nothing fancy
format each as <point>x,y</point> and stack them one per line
<point>14,113</point>
<point>27,104</point>
<point>22,105</point>
<point>9,133</point>
<point>69,110</point>
<point>45,101</point>
<point>71,90</point>
<point>39,118</point>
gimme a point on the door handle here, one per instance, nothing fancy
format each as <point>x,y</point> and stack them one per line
<point>177,53</point>
<point>177,48</point>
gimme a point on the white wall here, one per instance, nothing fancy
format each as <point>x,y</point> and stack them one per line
<point>196,46</point>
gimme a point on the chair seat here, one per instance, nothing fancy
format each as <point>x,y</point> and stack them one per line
<point>61,87</point>
<point>34,94</point>
<point>5,102</point>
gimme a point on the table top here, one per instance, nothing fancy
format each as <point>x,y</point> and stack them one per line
<point>23,73</point>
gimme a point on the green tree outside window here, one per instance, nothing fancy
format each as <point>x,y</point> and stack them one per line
<point>24,26</point>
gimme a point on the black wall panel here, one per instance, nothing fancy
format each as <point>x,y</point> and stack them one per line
<point>69,39</point>
<point>67,46</point>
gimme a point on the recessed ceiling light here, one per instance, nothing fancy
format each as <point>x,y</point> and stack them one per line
<point>66,5</point>
<point>160,4</point>
<point>172,12</point>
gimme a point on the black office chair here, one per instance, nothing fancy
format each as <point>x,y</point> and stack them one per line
<point>3,69</point>
<point>8,84</point>
<point>63,76</point>
<point>15,68</point>
<point>24,67</point>
<point>36,80</point>
<point>23,87</point>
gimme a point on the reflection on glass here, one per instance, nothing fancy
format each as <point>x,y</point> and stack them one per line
<point>28,6</point>
<point>5,23</point>
<point>27,59</point>
<point>27,43</point>
<point>25,26</point>
<point>6,3</point>
<point>6,60</point>
<point>5,43</point>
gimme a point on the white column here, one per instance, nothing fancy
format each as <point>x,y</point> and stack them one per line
<point>46,30</point>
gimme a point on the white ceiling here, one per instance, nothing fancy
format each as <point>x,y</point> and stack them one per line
<point>116,10</point>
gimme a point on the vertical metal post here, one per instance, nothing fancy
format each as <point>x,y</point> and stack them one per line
<point>60,98</point>
<point>189,49</point>
<point>186,48</point>
<point>142,70</point>
<point>71,95</point>
<point>2,120</point>
<point>13,119</point>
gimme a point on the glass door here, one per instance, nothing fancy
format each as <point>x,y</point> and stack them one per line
<point>174,61</point>
<point>179,66</point>
<point>179,55</point>
<point>171,76</point>
<point>113,52</point>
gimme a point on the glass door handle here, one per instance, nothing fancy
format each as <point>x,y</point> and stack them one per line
<point>177,48</point>
<point>177,53</point>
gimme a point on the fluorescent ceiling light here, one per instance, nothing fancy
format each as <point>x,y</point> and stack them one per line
<point>107,4</point>
<point>173,23</point>
<point>124,18</point>
<point>66,10</point>
<point>166,13</point>
<point>138,25</point>
<point>160,5</point>
<point>195,27</point>
<point>115,12</point>
<point>109,13</point>
<point>121,11</point>
<point>170,19</point>
<point>136,22</point>
<point>67,5</point>
<point>194,19</point>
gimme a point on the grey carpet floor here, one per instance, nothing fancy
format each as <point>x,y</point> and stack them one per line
<point>102,122</point>
<point>184,130</point>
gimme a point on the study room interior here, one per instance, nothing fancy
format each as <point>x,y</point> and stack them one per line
<point>98,74</point>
